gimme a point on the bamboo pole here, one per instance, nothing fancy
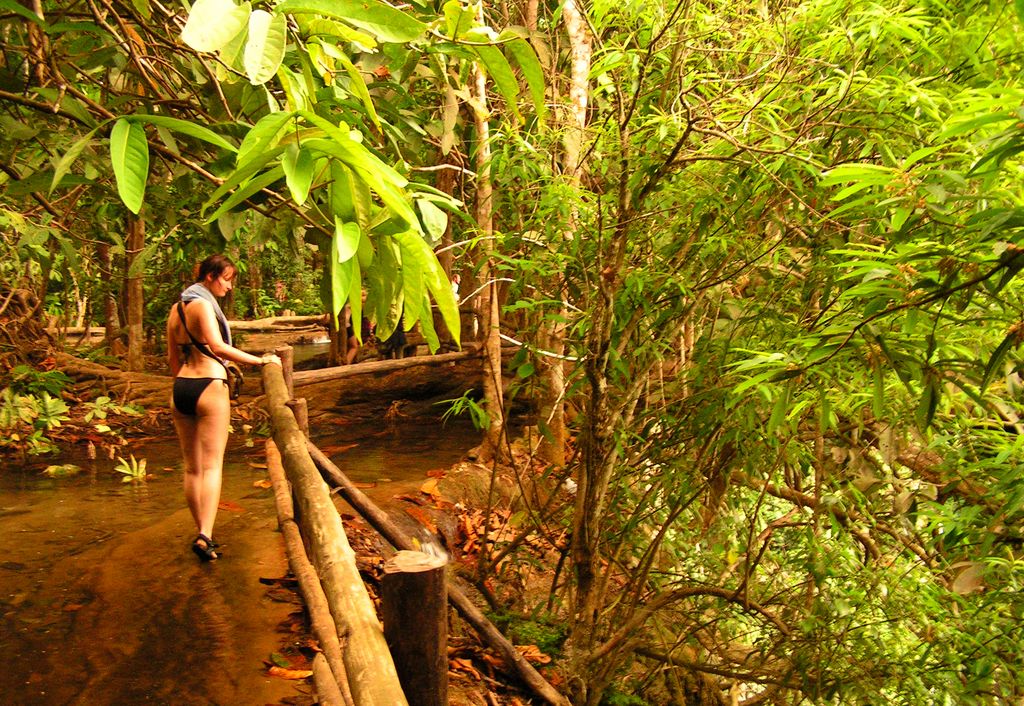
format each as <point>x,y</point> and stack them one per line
<point>470,613</point>
<point>309,585</point>
<point>368,664</point>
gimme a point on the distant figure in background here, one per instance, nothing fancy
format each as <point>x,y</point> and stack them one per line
<point>395,346</point>
<point>365,332</point>
<point>198,343</point>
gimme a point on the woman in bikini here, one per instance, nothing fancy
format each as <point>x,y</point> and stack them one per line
<point>198,344</point>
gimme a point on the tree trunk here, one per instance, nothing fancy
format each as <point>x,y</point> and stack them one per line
<point>494,441</point>
<point>134,300</point>
<point>111,323</point>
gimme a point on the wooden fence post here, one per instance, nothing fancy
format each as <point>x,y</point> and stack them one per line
<point>301,412</point>
<point>287,356</point>
<point>414,604</point>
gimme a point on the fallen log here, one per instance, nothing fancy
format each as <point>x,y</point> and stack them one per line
<point>311,377</point>
<point>380,521</point>
<point>309,585</point>
<point>283,324</point>
<point>368,664</point>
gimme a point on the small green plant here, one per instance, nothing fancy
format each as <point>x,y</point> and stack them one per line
<point>132,469</point>
<point>466,405</point>
<point>25,420</point>
<point>26,380</point>
<point>103,406</point>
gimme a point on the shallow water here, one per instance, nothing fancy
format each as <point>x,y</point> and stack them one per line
<point>101,601</point>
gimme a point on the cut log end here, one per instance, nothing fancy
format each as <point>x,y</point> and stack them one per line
<point>408,562</point>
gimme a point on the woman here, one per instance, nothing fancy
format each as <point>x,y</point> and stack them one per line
<point>198,344</point>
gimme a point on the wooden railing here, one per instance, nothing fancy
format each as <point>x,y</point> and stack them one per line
<point>355,647</point>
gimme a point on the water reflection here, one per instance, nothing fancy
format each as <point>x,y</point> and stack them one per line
<point>101,601</point>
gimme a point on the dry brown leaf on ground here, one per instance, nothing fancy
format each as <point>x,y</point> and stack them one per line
<point>265,484</point>
<point>533,654</point>
<point>466,667</point>
<point>283,673</point>
<point>230,506</point>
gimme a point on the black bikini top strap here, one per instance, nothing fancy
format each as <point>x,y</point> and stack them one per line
<point>200,346</point>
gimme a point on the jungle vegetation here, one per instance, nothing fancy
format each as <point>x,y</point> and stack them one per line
<point>761,257</point>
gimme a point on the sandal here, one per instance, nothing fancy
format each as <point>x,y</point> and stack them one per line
<point>203,547</point>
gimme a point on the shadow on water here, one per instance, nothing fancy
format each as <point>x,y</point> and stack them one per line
<point>103,603</point>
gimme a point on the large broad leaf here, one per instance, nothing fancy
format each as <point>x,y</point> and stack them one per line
<point>298,166</point>
<point>368,168</point>
<point>262,136</point>
<point>264,49</point>
<point>498,69</point>
<point>385,22</point>
<point>435,221</point>
<point>417,256</point>
<point>185,128</point>
<point>526,58</point>
<point>213,23</point>
<point>341,279</point>
<point>243,173</point>
<point>346,239</point>
<point>129,155</point>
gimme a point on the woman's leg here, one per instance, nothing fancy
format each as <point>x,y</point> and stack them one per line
<point>213,419</point>
<point>186,426</point>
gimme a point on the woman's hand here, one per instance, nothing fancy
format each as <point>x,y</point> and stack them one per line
<point>270,358</point>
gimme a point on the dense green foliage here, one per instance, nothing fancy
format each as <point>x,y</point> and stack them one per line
<point>786,272</point>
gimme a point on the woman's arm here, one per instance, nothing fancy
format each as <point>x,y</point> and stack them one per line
<point>173,350</point>
<point>210,332</point>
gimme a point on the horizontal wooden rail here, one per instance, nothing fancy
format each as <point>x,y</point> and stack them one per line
<point>310,377</point>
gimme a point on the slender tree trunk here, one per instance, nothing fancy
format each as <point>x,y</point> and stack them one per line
<point>552,408</point>
<point>494,441</point>
<point>134,301</point>
<point>111,324</point>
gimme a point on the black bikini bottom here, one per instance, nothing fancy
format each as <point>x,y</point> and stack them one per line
<point>187,392</point>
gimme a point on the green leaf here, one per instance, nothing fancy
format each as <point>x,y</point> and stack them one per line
<point>524,55</point>
<point>262,135</point>
<point>416,252</point>
<point>356,83</point>
<point>1008,343</point>
<point>389,24</point>
<point>64,163</point>
<point>185,128</point>
<point>264,49</point>
<point>498,69</point>
<point>213,23</point>
<point>346,239</point>
<point>255,186</point>
<point>435,221</point>
<point>928,403</point>
<point>142,7</point>
<point>17,9</point>
<point>298,167</point>
<point>243,173</point>
<point>1020,10</point>
<point>371,170</point>
<point>129,155</point>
